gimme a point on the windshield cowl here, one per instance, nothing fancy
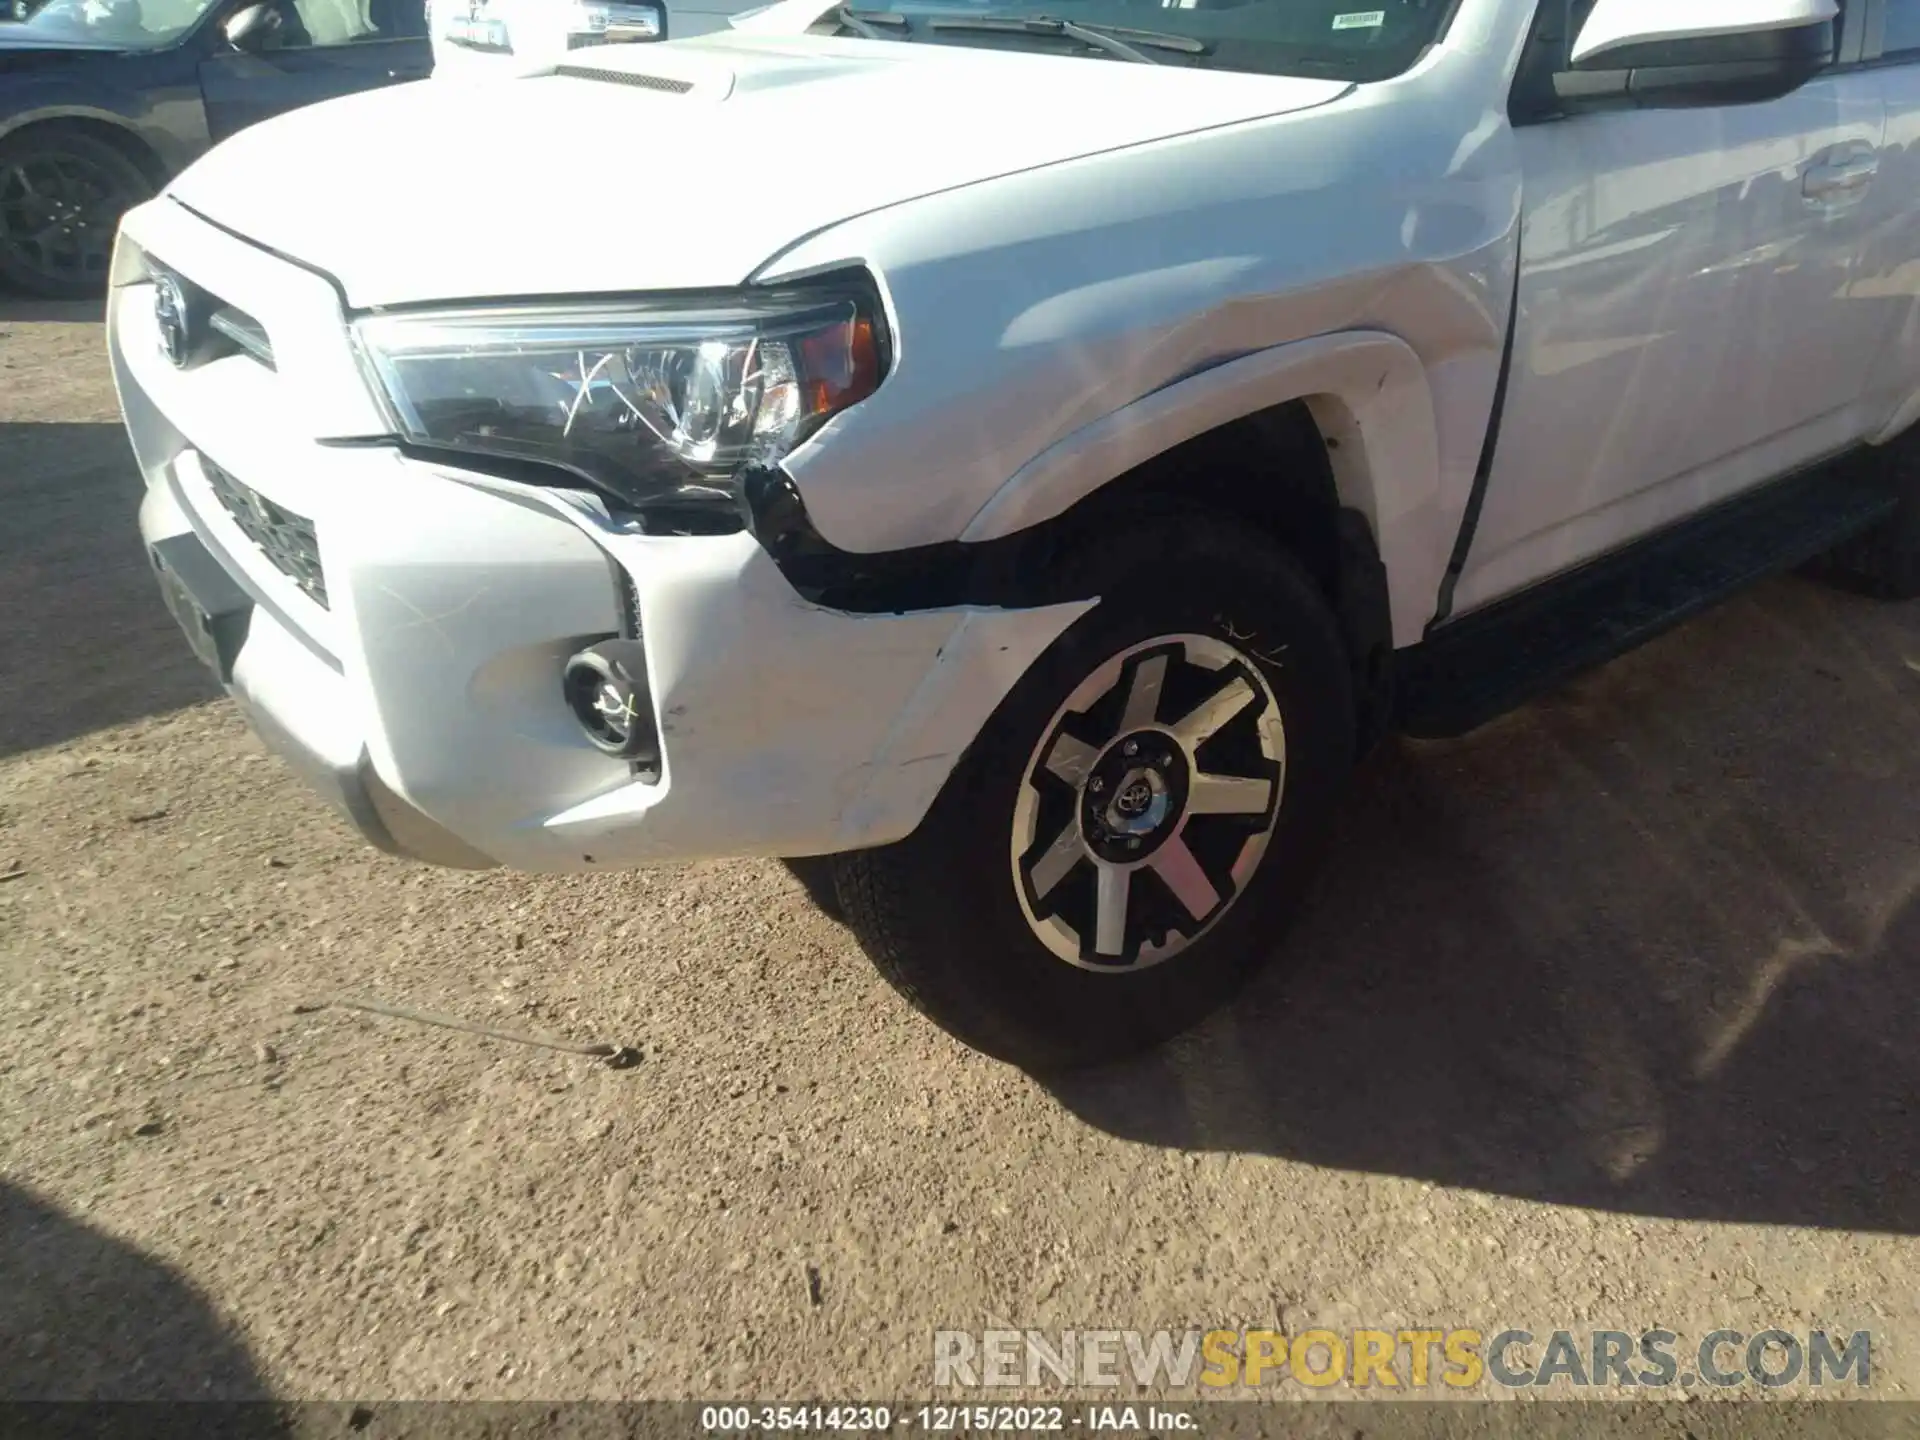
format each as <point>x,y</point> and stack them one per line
<point>1319,39</point>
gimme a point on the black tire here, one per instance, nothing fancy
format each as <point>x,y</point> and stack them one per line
<point>62,193</point>
<point>1884,562</point>
<point>939,913</point>
<point>816,876</point>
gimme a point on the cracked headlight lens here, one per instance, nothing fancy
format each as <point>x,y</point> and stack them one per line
<point>659,407</point>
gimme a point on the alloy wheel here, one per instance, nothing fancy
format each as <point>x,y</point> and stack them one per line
<point>58,215</point>
<point>1148,803</point>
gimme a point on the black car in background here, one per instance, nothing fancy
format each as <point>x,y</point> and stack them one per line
<point>102,100</point>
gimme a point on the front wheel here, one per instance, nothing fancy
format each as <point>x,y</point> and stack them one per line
<point>1117,849</point>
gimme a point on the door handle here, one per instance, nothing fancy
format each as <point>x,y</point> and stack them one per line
<point>1841,176</point>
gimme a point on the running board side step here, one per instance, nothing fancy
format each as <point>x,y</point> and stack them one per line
<point>1490,661</point>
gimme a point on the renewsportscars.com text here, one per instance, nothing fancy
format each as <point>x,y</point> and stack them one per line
<point>1401,1359</point>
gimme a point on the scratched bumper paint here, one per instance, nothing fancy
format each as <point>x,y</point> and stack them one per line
<point>426,702</point>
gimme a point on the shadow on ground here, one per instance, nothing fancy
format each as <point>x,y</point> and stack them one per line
<point>1650,946</point>
<point>86,641</point>
<point>26,308</point>
<point>86,1317</point>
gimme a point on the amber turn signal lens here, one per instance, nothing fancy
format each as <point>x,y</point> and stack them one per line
<point>840,365</point>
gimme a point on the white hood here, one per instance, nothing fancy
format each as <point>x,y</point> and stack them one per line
<point>559,183</point>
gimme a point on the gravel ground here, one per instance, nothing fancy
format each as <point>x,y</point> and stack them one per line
<point>1601,1017</point>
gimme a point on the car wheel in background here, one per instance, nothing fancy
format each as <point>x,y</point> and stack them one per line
<point>62,193</point>
<point>1118,847</point>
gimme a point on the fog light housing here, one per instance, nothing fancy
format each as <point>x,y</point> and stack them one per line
<point>606,688</point>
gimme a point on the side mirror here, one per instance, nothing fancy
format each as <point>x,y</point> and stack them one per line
<point>252,27</point>
<point>1656,52</point>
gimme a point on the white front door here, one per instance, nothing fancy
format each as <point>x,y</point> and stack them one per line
<point>1685,327</point>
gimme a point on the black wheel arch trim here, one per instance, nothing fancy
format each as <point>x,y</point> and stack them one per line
<point>1021,571</point>
<point>999,573</point>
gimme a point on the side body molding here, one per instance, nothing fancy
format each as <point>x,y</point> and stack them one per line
<point>1368,393</point>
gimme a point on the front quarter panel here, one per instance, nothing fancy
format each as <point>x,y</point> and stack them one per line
<point>1034,307</point>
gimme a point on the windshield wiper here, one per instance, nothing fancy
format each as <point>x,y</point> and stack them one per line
<point>1101,37</point>
<point>865,23</point>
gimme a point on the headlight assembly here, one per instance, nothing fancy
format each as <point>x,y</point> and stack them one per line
<point>660,406</point>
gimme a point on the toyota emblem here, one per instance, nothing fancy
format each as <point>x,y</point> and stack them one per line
<point>170,315</point>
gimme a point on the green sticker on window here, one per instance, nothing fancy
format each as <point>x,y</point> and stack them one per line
<point>1360,20</point>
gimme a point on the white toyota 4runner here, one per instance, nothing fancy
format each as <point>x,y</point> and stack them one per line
<point>1019,453</point>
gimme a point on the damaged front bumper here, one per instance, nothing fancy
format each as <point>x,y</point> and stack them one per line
<point>407,624</point>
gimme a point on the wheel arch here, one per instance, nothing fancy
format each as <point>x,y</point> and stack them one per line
<point>1370,416</point>
<point>102,125</point>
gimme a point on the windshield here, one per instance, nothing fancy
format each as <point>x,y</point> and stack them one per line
<point>124,24</point>
<point>1357,40</point>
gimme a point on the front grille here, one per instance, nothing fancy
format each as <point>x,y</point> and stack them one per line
<point>284,538</point>
<point>204,327</point>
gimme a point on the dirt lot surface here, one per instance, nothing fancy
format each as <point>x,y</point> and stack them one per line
<point>1604,1016</point>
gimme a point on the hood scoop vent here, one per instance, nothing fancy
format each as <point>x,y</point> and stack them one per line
<point>692,73</point>
<point>664,83</point>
